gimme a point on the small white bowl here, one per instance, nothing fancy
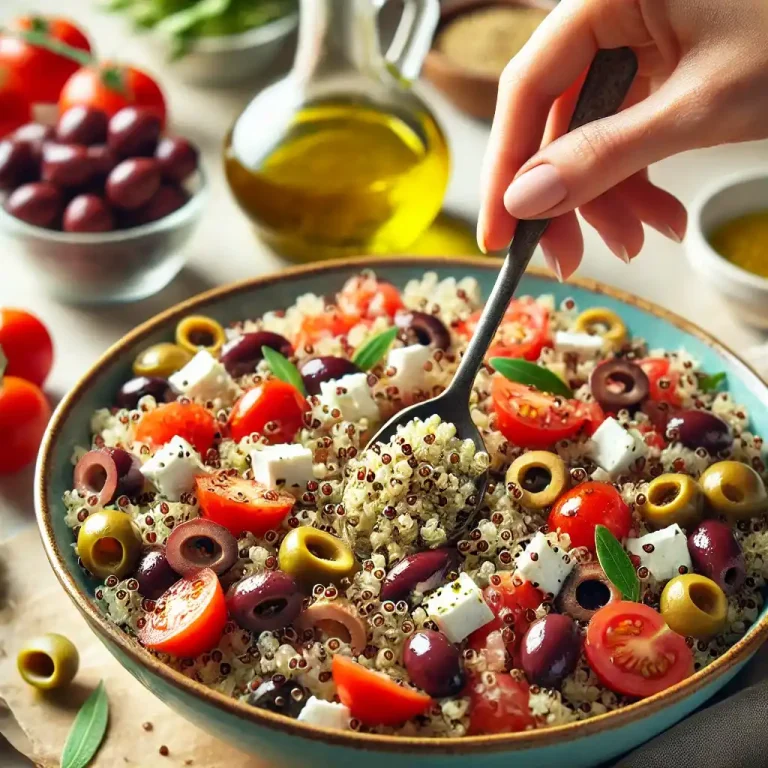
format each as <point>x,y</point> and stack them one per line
<point>723,201</point>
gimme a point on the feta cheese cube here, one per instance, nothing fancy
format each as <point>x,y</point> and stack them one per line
<point>352,396</point>
<point>545,566</point>
<point>613,447</point>
<point>458,608</point>
<point>408,363</point>
<point>204,378</point>
<point>600,476</point>
<point>664,553</point>
<point>287,466</point>
<point>173,468</point>
<point>582,344</point>
<point>325,714</point>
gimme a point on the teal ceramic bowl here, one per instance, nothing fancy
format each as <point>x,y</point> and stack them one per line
<point>286,742</point>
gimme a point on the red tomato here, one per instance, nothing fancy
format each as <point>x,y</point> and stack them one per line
<point>241,505</point>
<point>374,698</point>
<point>189,617</point>
<point>24,415</point>
<point>633,652</point>
<point>274,409</point>
<point>26,344</point>
<point>523,332</point>
<point>664,383</point>
<point>188,420</point>
<point>652,437</point>
<point>15,109</point>
<point>42,72</point>
<point>369,297</point>
<point>110,87</point>
<point>332,323</point>
<point>532,419</point>
<point>498,703</point>
<point>579,511</point>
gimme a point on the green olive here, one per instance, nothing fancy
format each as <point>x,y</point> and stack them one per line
<point>198,332</point>
<point>735,490</point>
<point>693,605</point>
<point>315,557</point>
<point>161,360</point>
<point>48,661</point>
<point>673,498</point>
<point>541,477</point>
<point>604,322</point>
<point>109,543</point>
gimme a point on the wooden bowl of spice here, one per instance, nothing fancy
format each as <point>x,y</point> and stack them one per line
<point>474,41</point>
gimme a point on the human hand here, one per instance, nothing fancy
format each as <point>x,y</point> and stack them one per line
<point>702,80</point>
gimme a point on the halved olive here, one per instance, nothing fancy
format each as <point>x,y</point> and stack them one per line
<point>541,477</point>
<point>586,590</point>
<point>265,601</point>
<point>421,328</point>
<point>617,384</point>
<point>673,498</point>
<point>693,605</point>
<point>48,661</point>
<point>198,332</point>
<point>335,618</point>
<point>315,557</point>
<point>735,490</point>
<point>200,543</point>
<point>109,543</point>
<point>161,360</point>
<point>603,322</point>
<point>109,473</point>
<point>241,355</point>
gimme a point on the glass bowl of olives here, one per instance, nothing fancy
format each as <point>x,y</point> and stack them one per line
<point>101,207</point>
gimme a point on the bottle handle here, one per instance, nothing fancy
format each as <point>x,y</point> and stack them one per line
<point>413,37</point>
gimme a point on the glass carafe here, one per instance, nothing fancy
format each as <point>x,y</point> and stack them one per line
<point>340,157</point>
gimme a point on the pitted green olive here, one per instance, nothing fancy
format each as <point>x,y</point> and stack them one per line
<point>161,360</point>
<point>673,498</point>
<point>541,477</point>
<point>109,543</point>
<point>198,332</point>
<point>48,661</point>
<point>315,557</point>
<point>735,490</point>
<point>603,322</point>
<point>694,605</point>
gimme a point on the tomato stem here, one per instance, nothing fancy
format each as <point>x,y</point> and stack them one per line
<point>41,39</point>
<point>3,364</point>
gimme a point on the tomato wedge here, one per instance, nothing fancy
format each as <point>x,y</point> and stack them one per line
<point>334,322</point>
<point>498,703</point>
<point>240,504</point>
<point>189,617</point>
<point>274,409</point>
<point>633,652</point>
<point>664,383</point>
<point>188,420</point>
<point>369,297</point>
<point>374,698</point>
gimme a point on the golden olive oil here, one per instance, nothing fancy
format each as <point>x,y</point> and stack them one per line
<point>744,242</point>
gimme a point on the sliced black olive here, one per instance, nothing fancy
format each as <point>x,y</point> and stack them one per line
<point>618,384</point>
<point>286,697</point>
<point>585,591</point>
<point>421,328</point>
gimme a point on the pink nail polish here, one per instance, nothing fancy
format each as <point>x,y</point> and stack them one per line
<point>672,235</point>
<point>554,266</point>
<point>619,250</point>
<point>535,192</point>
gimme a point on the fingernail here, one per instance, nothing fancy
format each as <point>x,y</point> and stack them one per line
<point>672,235</point>
<point>619,249</point>
<point>554,266</point>
<point>481,239</point>
<point>535,192</point>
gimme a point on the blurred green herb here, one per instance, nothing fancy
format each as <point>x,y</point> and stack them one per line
<point>283,368</point>
<point>616,563</point>
<point>374,349</point>
<point>531,374</point>
<point>87,731</point>
<point>711,383</point>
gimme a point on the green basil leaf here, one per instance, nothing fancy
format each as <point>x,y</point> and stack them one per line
<point>532,374</point>
<point>374,349</point>
<point>711,383</point>
<point>87,731</point>
<point>283,368</point>
<point>616,563</point>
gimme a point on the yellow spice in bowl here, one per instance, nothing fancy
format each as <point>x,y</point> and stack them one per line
<point>744,242</point>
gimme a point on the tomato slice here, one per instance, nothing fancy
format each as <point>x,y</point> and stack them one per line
<point>374,698</point>
<point>189,617</point>
<point>664,383</point>
<point>633,652</point>
<point>191,421</point>
<point>498,703</point>
<point>366,296</point>
<point>274,409</point>
<point>240,504</point>
<point>26,344</point>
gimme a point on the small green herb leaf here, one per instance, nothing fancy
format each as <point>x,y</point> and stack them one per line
<point>41,39</point>
<point>283,368</point>
<point>616,563</point>
<point>87,731</point>
<point>711,383</point>
<point>374,349</point>
<point>532,374</point>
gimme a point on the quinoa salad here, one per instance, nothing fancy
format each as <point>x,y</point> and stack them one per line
<point>241,530</point>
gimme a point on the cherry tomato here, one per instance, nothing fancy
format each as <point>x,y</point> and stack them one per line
<point>188,420</point>
<point>664,383</point>
<point>26,344</point>
<point>372,697</point>
<point>274,409</point>
<point>189,617</point>
<point>43,72</point>
<point>240,504</point>
<point>651,436</point>
<point>532,419</point>
<point>633,652</point>
<point>498,703</point>
<point>110,87</point>
<point>369,297</point>
<point>24,415</point>
<point>332,323</point>
<point>15,109</point>
<point>579,511</point>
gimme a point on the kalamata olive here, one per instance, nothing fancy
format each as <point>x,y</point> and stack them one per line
<point>38,204</point>
<point>550,649</point>
<point>421,328</point>
<point>617,384</point>
<point>34,134</point>
<point>154,574</point>
<point>133,132</point>
<point>265,601</point>
<point>320,369</point>
<point>66,165</point>
<point>201,543</point>
<point>130,481</point>
<point>585,591</point>
<point>434,663</point>
<point>241,355</point>
<point>177,157</point>
<point>419,572</point>
<point>164,202</point>
<point>96,473</point>
<point>700,429</point>
<point>133,182</point>
<point>103,160</point>
<point>82,125</point>
<point>716,554</point>
<point>88,213</point>
<point>134,389</point>
<point>17,164</point>
<point>285,697</point>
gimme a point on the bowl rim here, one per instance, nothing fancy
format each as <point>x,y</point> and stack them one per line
<point>511,742</point>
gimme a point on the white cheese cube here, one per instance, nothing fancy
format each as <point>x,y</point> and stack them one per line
<point>458,608</point>
<point>204,378</point>
<point>582,344</point>
<point>664,553</point>
<point>286,466</point>
<point>408,363</point>
<point>545,566</point>
<point>325,714</point>
<point>352,396</point>
<point>600,476</point>
<point>173,468</point>
<point>613,447</point>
